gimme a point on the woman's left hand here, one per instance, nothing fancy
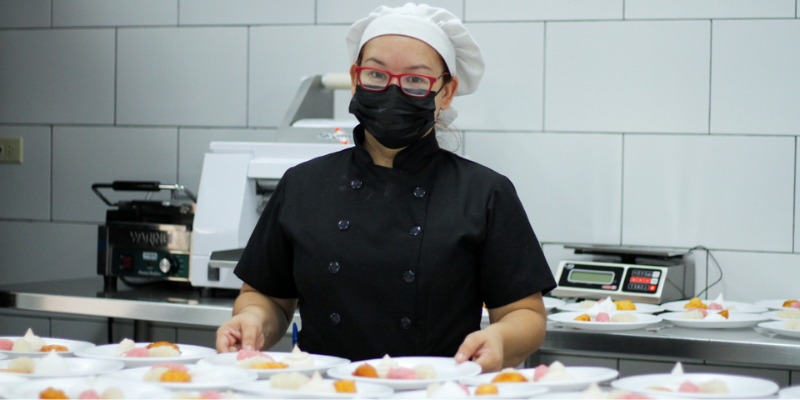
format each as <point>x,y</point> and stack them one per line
<point>485,347</point>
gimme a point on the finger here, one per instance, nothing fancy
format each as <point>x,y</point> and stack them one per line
<point>225,341</point>
<point>250,334</point>
<point>468,348</point>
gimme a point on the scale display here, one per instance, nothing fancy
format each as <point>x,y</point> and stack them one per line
<point>590,279</point>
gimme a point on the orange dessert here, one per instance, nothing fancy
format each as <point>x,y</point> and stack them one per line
<point>486,388</point>
<point>51,393</point>
<point>159,344</point>
<point>175,375</point>
<point>788,303</point>
<point>14,371</point>
<point>625,305</point>
<point>344,386</point>
<point>270,365</point>
<point>724,313</point>
<point>583,317</point>
<point>511,376</point>
<point>54,347</point>
<point>366,370</point>
<point>695,302</point>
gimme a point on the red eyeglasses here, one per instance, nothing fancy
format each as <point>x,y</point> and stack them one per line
<point>376,80</point>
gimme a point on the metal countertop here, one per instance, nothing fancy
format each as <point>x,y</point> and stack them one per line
<point>167,303</point>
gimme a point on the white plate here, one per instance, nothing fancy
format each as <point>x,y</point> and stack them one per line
<point>321,363</point>
<point>739,386</point>
<point>76,367</point>
<point>741,320</point>
<point>504,392</point>
<point>552,302</point>
<point>446,370</point>
<point>363,390</point>
<point>203,377</point>
<point>72,345</point>
<point>774,315</point>
<point>792,392</point>
<point>582,377</point>
<point>568,319</point>
<point>775,304</point>
<point>74,386</point>
<point>642,308</point>
<point>8,382</point>
<point>740,307</point>
<point>189,354</point>
<point>777,327</point>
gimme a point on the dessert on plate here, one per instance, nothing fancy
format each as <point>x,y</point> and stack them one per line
<point>127,348</point>
<point>254,359</point>
<point>717,304</point>
<point>453,390</point>
<point>28,343</point>
<point>388,368</point>
<point>300,382</point>
<point>168,372</point>
<point>542,373</point>
<point>678,382</point>
<point>51,364</point>
<point>109,393</point>
<point>701,313</point>
<point>618,305</point>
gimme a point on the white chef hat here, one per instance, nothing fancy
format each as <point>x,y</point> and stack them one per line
<point>435,26</point>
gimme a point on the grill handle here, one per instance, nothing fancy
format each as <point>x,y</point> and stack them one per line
<point>138,186</point>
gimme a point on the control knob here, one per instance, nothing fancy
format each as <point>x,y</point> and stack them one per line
<point>168,265</point>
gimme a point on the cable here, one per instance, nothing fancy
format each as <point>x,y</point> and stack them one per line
<point>719,267</point>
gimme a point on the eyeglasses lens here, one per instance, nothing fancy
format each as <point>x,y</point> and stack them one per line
<point>412,85</point>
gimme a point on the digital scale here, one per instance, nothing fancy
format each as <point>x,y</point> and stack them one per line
<point>641,275</point>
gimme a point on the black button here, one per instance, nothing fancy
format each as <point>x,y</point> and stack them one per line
<point>356,184</point>
<point>344,224</point>
<point>415,230</point>
<point>419,192</point>
<point>409,276</point>
<point>405,323</point>
<point>334,267</point>
<point>336,318</point>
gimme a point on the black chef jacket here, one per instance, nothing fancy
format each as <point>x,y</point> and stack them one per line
<point>393,260</point>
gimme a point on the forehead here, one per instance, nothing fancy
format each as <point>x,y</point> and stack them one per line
<point>401,49</point>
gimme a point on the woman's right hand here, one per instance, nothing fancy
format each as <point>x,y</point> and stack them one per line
<point>243,331</point>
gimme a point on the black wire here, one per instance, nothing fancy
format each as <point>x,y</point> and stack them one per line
<point>719,267</point>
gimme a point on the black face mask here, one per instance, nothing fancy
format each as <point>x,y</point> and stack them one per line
<point>395,119</point>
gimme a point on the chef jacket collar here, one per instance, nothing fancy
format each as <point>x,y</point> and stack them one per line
<point>412,159</point>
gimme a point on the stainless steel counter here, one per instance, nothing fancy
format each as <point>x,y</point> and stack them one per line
<point>747,346</point>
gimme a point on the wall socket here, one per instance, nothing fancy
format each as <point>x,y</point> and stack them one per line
<point>11,150</point>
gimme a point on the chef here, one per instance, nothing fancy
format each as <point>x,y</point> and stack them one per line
<point>392,246</point>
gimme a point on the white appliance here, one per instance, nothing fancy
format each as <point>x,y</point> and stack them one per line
<point>238,178</point>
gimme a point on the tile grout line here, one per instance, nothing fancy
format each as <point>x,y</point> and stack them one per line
<point>544,72</point>
<point>51,13</point>
<point>247,82</point>
<point>794,209</point>
<point>622,191</point>
<point>116,69</point>
<point>710,62</point>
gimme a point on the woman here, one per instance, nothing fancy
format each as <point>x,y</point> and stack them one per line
<point>392,246</point>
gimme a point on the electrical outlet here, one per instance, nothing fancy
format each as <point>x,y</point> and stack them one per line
<point>11,150</point>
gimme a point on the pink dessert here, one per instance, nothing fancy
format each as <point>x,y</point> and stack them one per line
<point>6,344</point>
<point>602,317</point>
<point>138,352</point>
<point>401,373</point>
<point>539,372</point>
<point>715,306</point>
<point>796,304</point>
<point>89,394</point>
<point>211,394</point>
<point>244,354</point>
<point>689,387</point>
<point>702,311</point>
<point>167,365</point>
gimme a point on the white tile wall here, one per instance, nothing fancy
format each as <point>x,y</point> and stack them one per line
<point>566,200</point>
<point>755,81</point>
<point>728,192</point>
<point>25,187</point>
<point>114,13</point>
<point>542,10</point>
<point>349,11</point>
<point>24,13</point>
<point>243,12</point>
<point>193,145</point>
<point>627,76</point>
<point>281,56</point>
<point>86,155</point>
<point>36,251</point>
<point>57,76</point>
<point>182,76</point>
<point>653,9</point>
<point>751,277</point>
<point>510,94</point>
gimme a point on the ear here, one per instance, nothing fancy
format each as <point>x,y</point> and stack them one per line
<point>448,92</point>
<point>353,80</point>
